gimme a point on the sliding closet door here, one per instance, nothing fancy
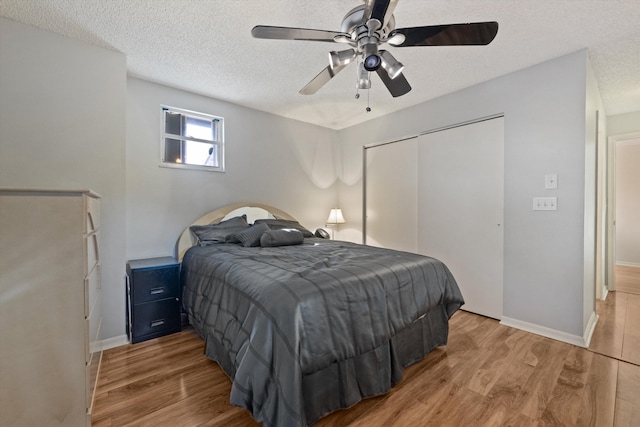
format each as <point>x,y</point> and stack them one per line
<point>390,195</point>
<point>460,208</point>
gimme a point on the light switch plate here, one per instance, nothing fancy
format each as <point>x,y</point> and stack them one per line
<point>545,203</point>
<point>551,181</point>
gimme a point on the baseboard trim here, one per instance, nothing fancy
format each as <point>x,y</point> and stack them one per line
<point>113,342</point>
<point>628,264</point>
<point>580,341</point>
<point>605,292</point>
<point>591,326</point>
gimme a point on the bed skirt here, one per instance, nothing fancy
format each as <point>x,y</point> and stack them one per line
<point>344,383</point>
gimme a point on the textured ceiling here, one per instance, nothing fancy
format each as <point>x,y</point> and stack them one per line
<point>205,46</point>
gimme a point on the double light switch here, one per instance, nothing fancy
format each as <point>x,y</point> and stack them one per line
<point>547,203</point>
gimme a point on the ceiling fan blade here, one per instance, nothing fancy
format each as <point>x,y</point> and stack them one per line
<point>321,79</point>
<point>379,9</point>
<point>368,7</point>
<point>288,33</point>
<point>398,86</point>
<point>477,33</point>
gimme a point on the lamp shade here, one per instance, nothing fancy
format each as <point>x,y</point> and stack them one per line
<point>335,217</point>
<point>343,57</point>
<point>390,64</point>
<point>363,79</point>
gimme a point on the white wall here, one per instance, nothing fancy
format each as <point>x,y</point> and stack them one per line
<point>623,123</point>
<point>62,124</point>
<point>544,110</point>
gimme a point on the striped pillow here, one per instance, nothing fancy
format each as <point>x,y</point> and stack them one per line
<point>220,232</point>
<point>250,237</point>
<point>282,237</point>
<point>277,224</point>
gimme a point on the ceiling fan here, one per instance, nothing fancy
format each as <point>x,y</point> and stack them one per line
<point>368,26</point>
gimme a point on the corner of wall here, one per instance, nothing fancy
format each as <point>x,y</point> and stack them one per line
<point>594,113</point>
<point>580,341</point>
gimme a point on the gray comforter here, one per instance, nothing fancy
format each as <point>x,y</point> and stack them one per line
<point>271,316</point>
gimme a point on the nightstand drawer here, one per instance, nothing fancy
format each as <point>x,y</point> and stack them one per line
<point>155,284</point>
<point>155,319</point>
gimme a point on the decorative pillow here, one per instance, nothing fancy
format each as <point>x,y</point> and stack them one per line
<point>277,224</point>
<point>250,237</point>
<point>282,237</point>
<point>221,232</point>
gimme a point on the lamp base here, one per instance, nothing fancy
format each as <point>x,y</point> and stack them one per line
<point>331,227</point>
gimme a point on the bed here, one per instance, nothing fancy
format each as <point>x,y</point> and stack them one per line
<point>306,326</point>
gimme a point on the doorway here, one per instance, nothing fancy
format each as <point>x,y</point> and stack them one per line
<point>623,226</point>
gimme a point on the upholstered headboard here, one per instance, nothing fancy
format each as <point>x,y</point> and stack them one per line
<point>252,210</point>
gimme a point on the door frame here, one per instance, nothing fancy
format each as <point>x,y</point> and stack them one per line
<point>612,144</point>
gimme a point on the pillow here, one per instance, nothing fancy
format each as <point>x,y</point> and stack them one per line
<point>277,224</point>
<point>250,237</point>
<point>219,233</point>
<point>282,237</point>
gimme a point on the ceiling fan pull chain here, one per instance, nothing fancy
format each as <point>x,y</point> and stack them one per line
<point>368,109</point>
<point>357,75</point>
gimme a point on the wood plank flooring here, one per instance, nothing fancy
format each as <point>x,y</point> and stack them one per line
<point>487,375</point>
<point>617,333</point>
<point>628,279</point>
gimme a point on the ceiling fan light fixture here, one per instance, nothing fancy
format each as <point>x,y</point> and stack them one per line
<point>341,58</point>
<point>390,64</point>
<point>372,62</point>
<point>363,78</point>
<point>371,57</point>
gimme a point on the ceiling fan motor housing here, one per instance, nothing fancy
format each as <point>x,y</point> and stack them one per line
<point>367,41</point>
<point>355,18</point>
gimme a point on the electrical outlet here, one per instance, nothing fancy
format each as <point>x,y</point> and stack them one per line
<point>545,203</point>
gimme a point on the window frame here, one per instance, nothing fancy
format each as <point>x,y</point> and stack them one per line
<point>218,142</point>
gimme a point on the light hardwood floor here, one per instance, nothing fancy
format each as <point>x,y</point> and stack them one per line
<point>628,279</point>
<point>487,375</point>
<point>617,333</point>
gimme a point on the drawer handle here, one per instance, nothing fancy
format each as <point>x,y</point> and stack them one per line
<point>156,291</point>
<point>158,322</point>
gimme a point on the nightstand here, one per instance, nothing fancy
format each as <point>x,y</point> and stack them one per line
<point>153,298</point>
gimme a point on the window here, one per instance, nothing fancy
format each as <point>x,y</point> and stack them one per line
<point>192,140</point>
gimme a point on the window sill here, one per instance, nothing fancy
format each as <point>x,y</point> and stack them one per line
<point>190,167</point>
